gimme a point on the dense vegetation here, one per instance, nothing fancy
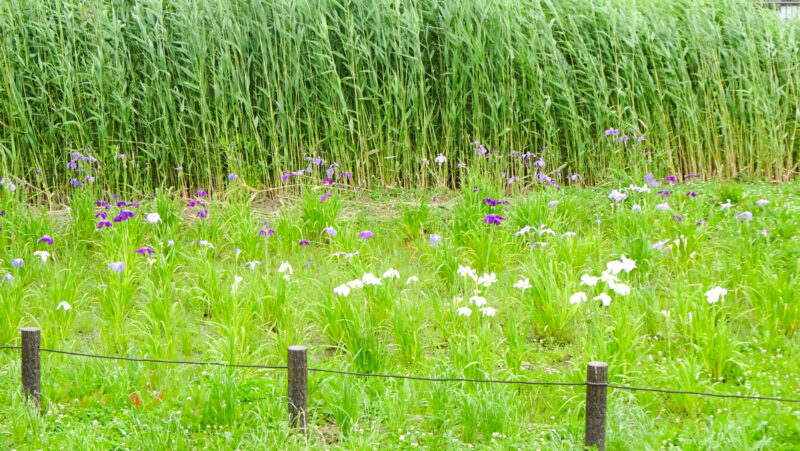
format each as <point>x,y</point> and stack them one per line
<point>255,86</point>
<point>700,293</point>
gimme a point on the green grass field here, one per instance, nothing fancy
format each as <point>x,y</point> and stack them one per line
<point>230,279</point>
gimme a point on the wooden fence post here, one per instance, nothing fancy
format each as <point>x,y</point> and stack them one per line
<point>31,367</point>
<point>298,387</point>
<point>596,391</point>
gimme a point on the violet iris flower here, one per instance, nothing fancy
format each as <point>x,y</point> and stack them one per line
<point>327,181</point>
<point>611,132</point>
<point>366,235</point>
<point>670,178</point>
<point>200,193</point>
<point>664,192</point>
<point>744,216</point>
<point>123,215</point>
<point>330,231</point>
<point>18,262</point>
<point>232,176</point>
<point>494,202</point>
<point>102,215</point>
<point>47,239</point>
<point>145,251</point>
<point>691,194</point>
<point>202,214</point>
<point>75,182</point>
<point>493,219</point>
<point>678,218</point>
<point>325,197</point>
<point>102,203</point>
<point>435,239</point>
<point>102,224</point>
<point>304,243</point>
<point>116,266</point>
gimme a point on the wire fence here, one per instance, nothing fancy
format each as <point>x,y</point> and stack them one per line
<point>596,383</point>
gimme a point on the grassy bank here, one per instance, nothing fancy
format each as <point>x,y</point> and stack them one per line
<point>255,87</point>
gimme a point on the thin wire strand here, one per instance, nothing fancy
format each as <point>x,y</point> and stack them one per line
<point>442,379</point>
<point>682,392</point>
<point>419,378</point>
<point>177,362</point>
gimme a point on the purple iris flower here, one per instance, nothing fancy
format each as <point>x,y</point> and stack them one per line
<point>88,178</point>
<point>102,203</point>
<point>47,239</point>
<point>123,215</point>
<point>145,251</point>
<point>493,219</point>
<point>670,178</point>
<point>178,168</point>
<point>539,163</point>
<point>744,216</point>
<point>75,182</point>
<point>366,235</point>
<point>678,218</point>
<point>575,177</point>
<point>622,139</point>
<point>116,266</point>
<point>435,239</point>
<point>121,203</point>
<point>266,232</point>
<point>318,161</point>
<point>691,176</point>
<point>330,231</point>
<point>102,224</point>
<point>304,243</point>
<point>325,197</point>
<point>494,202</point>
<point>691,194</point>
<point>327,181</point>
<point>476,189</point>
<point>202,214</point>
<point>552,204</point>
<point>2,213</point>
<point>102,215</point>
<point>649,178</point>
<point>232,176</point>
<point>346,175</point>
<point>611,132</point>
<point>200,193</point>
<point>18,262</point>
<point>664,192</point>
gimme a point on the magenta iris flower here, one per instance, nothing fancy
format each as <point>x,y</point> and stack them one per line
<point>47,239</point>
<point>346,175</point>
<point>194,202</point>
<point>670,178</point>
<point>366,235</point>
<point>691,194</point>
<point>200,193</point>
<point>304,243</point>
<point>678,218</point>
<point>493,219</point>
<point>145,251</point>
<point>325,197</point>
<point>202,214</point>
<point>266,232</point>
<point>327,181</point>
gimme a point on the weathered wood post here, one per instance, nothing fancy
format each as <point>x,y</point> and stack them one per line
<point>298,387</point>
<point>596,391</point>
<point>31,367</point>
